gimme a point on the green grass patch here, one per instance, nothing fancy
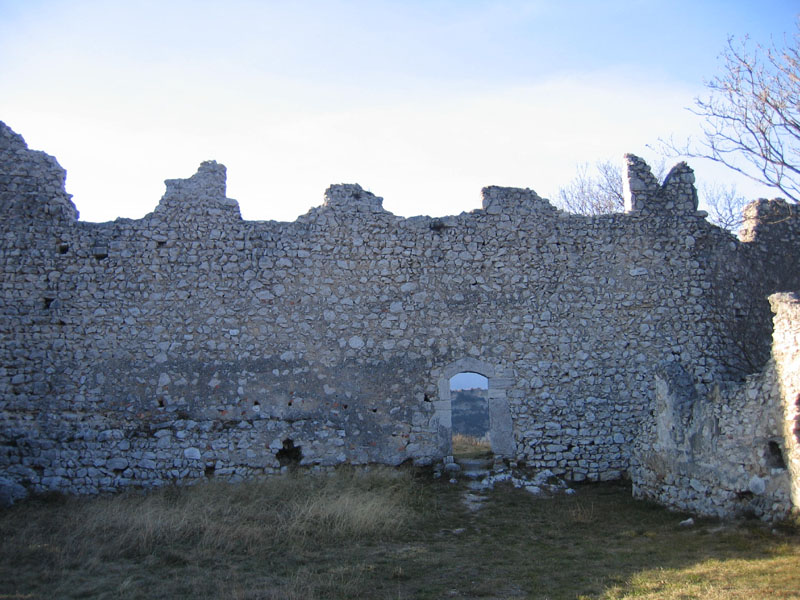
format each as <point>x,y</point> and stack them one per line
<point>383,534</point>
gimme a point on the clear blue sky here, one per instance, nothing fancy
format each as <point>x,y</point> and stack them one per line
<point>468,381</point>
<point>423,103</point>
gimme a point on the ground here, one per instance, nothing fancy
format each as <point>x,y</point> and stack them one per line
<point>384,534</point>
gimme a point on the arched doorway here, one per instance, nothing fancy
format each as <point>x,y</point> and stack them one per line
<point>469,401</point>
<point>501,437</point>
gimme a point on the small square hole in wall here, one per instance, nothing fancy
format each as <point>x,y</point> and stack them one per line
<point>289,455</point>
<point>62,247</point>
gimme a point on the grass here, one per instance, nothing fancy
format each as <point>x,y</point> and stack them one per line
<point>468,446</point>
<point>394,534</point>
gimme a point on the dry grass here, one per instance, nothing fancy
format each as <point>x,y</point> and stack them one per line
<point>382,534</point>
<point>217,516</point>
<point>468,446</point>
<point>714,579</point>
<point>179,527</point>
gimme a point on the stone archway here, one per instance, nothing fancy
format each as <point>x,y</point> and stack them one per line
<point>501,435</point>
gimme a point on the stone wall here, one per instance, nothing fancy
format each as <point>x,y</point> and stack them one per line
<point>786,353</point>
<point>191,343</point>
<point>735,451</point>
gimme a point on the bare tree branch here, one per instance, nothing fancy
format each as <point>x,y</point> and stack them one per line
<point>751,119</point>
<point>594,193</point>
<point>725,207</point>
<point>598,190</point>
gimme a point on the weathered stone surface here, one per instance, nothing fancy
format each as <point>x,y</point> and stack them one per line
<point>786,354</point>
<point>192,453</point>
<point>191,342</point>
<point>117,464</point>
<point>734,451</point>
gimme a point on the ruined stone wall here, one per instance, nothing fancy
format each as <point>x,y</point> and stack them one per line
<point>786,351</point>
<point>191,343</point>
<point>734,452</point>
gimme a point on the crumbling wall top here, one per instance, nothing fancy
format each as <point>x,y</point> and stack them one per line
<point>351,196</point>
<point>643,194</point>
<point>783,301</point>
<point>678,191</point>
<point>31,182</point>
<point>640,186</point>
<point>204,192</point>
<point>499,200</point>
<point>769,218</point>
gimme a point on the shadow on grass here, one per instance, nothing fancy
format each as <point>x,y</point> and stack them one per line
<point>597,543</point>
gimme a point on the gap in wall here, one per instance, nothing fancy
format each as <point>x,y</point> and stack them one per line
<point>469,393</point>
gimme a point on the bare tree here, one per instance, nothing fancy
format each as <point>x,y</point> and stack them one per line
<point>751,119</point>
<point>725,206</point>
<point>594,193</point>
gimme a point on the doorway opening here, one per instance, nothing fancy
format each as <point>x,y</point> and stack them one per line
<point>498,381</point>
<point>469,397</point>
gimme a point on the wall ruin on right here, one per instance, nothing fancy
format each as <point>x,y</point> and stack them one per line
<point>737,451</point>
